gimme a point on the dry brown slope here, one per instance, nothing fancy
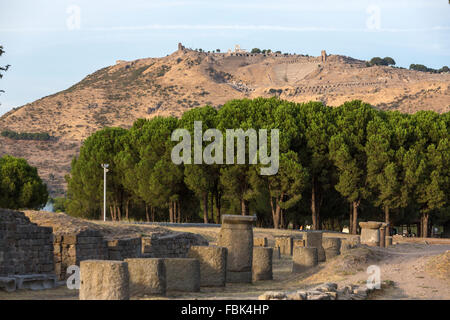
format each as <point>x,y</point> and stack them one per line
<point>119,94</point>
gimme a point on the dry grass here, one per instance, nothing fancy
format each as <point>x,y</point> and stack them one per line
<point>439,266</point>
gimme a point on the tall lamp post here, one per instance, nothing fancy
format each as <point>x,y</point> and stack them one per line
<point>105,167</point>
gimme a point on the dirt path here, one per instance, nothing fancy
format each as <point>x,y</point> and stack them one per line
<point>405,265</point>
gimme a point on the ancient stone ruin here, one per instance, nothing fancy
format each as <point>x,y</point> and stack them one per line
<point>26,253</point>
<point>236,234</point>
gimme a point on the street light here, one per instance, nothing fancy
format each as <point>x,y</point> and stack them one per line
<point>105,167</point>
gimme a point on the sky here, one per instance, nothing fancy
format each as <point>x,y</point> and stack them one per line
<point>52,45</point>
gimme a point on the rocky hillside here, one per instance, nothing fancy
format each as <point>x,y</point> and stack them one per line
<point>119,94</point>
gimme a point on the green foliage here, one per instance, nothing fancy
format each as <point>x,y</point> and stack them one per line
<point>422,68</point>
<point>20,185</point>
<point>377,61</point>
<point>40,136</point>
<point>377,162</point>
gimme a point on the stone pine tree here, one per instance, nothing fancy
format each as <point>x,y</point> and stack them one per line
<point>387,139</point>
<point>316,124</point>
<point>157,178</point>
<point>285,188</point>
<point>85,181</point>
<point>427,165</point>
<point>235,178</point>
<point>20,185</point>
<point>202,179</point>
<point>347,150</point>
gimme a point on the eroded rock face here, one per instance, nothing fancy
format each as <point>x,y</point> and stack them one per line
<point>236,234</point>
<point>104,280</point>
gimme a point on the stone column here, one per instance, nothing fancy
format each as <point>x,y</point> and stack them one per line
<point>236,234</point>
<point>262,263</point>
<point>313,239</point>
<point>370,233</point>
<point>383,235</point>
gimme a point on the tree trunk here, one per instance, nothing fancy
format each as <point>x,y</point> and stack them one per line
<point>355,216</point>
<point>127,208</point>
<point>205,207</point>
<point>152,210</point>
<point>146,213</point>
<point>119,213</point>
<point>244,207</point>
<point>277,220</point>
<point>211,205</point>
<point>112,212</point>
<point>425,217</point>
<point>315,223</point>
<point>171,211</point>
<point>350,220</point>
<point>218,206</point>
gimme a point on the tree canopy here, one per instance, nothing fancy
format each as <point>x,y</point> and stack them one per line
<point>336,166</point>
<point>20,185</point>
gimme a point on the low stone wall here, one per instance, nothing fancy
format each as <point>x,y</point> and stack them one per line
<point>72,248</point>
<point>120,249</point>
<point>25,248</point>
<point>285,243</point>
<point>171,246</point>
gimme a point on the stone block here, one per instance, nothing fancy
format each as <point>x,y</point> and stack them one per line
<point>104,280</point>
<point>182,274</point>
<point>332,247</point>
<point>260,242</point>
<point>8,284</point>
<point>313,239</point>
<point>262,263</point>
<point>213,264</point>
<point>304,258</point>
<point>147,276</point>
<point>285,243</point>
